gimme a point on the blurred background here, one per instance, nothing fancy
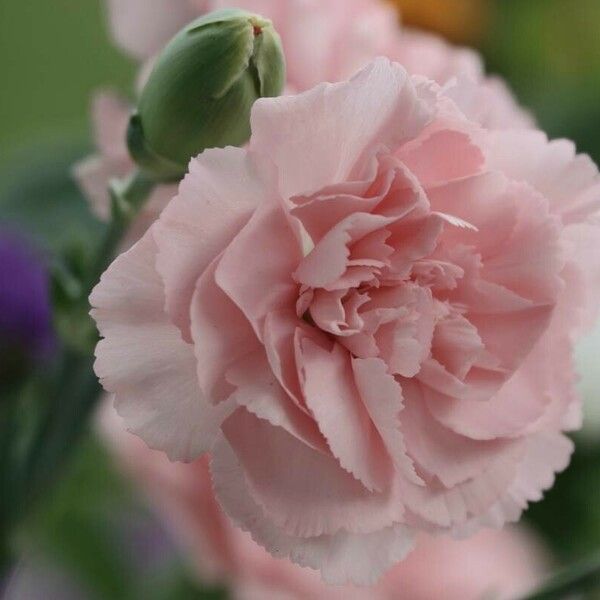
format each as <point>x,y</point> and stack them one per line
<point>95,537</point>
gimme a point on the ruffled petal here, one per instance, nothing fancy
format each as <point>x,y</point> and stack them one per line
<point>328,261</point>
<point>261,394</point>
<point>570,181</point>
<point>331,395</point>
<point>146,364</point>
<point>450,457</point>
<point>256,268</point>
<point>442,155</point>
<point>341,558</point>
<point>215,200</point>
<point>382,396</point>
<point>546,454</point>
<point>285,477</point>
<point>221,335</point>
<point>378,107</point>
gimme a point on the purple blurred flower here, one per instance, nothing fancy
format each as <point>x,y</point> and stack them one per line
<point>26,332</point>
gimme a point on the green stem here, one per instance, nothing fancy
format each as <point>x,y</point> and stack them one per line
<point>8,414</point>
<point>582,577</point>
<point>73,395</point>
<point>127,196</point>
<point>76,390</point>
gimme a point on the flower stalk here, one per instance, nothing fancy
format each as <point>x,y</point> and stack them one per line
<point>578,579</point>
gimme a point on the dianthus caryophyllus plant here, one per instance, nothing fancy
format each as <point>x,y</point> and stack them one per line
<point>365,317</point>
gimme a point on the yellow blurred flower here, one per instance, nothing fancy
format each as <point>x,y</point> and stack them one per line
<point>458,20</point>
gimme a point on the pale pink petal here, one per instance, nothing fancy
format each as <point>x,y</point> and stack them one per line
<point>479,386</point>
<point>452,458</point>
<point>256,268</point>
<point>110,114</point>
<point>321,211</point>
<point>382,396</point>
<point>342,557</point>
<point>413,240</point>
<point>530,260</point>
<point>283,332</point>
<point>260,393</point>
<point>442,155</point>
<point>516,235</point>
<point>221,335</point>
<point>93,174</point>
<point>144,361</point>
<point>405,342</point>
<point>569,181</point>
<point>508,413</point>
<point>215,200</point>
<point>327,310</point>
<point>546,454</point>
<point>285,477</point>
<point>457,345</point>
<point>329,259</point>
<point>445,508</point>
<point>378,107</point>
<point>489,102</point>
<point>510,336</point>
<point>332,397</point>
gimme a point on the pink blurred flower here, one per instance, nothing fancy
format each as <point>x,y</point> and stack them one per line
<point>499,564</point>
<point>326,41</point>
<point>142,27</point>
<point>366,318</point>
<point>323,40</point>
<point>110,116</point>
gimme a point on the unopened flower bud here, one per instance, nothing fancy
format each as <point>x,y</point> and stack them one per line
<point>202,88</point>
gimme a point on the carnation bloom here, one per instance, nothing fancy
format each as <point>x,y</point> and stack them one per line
<point>366,318</point>
<point>323,41</point>
<point>499,564</point>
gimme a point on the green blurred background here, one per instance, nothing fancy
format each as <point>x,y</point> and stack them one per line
<point>53,55</point>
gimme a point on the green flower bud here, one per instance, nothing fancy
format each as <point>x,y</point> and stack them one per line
<point>202,88</point>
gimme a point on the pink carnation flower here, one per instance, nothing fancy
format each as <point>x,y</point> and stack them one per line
<point>366,317</point>
<point>323,41</point>
<point>499,564</point>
